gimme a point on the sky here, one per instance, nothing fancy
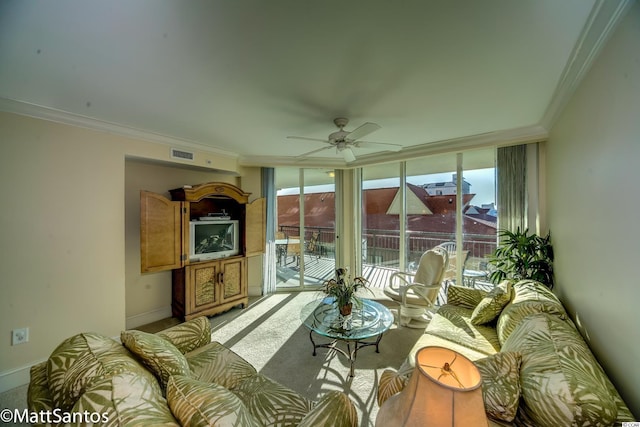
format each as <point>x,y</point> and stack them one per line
<point>482,184</point>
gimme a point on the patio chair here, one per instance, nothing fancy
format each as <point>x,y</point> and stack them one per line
<point>293,248</point>
<point>281,246</point>
<point>312,247</point>
<point>417,292</point>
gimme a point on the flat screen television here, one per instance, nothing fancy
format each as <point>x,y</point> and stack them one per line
<point>213,239</point>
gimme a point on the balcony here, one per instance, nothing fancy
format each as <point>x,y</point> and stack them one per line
<point>380,253</point>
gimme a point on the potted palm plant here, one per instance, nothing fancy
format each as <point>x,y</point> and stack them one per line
<point>343,288</point>
<point>521,255</point>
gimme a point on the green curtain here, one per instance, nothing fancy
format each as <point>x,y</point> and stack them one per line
<point>512,187</point>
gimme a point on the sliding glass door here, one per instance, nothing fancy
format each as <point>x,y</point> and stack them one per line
<point>305,230</point>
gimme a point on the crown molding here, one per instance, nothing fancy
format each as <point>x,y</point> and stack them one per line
<point>521,135</point>
<point>65,117</point>
<point>603,20</point>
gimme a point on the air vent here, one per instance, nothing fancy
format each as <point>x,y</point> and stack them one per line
<point>181,154</point>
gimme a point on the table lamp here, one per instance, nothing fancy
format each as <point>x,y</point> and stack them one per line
<point>444,390</point>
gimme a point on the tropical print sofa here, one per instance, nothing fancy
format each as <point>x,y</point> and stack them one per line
<point>536,368</point>
<point>176,377</point>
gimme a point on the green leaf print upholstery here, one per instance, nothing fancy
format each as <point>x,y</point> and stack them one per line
<point>38,393</point>
<point>529,297</point>
<point>127,398</point>
<point>190,335</point>
<point>128,382</point>
<point>333,410</point>
<point>216,363</point>
<point>82,360</point>
<point>464,297</point>
<point>501,384</point>
<point>562,383</point>
<point>491,305</point>
<point>157,354</point>
<point>454,324</point>
<point>272,403</point>
<point>534,347</point>
<point>195,403</point>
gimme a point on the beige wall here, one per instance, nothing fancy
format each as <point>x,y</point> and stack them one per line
<point>594,203</point>
<point>65,242</point>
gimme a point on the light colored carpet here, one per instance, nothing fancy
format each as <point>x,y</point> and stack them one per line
<point>270,335</point>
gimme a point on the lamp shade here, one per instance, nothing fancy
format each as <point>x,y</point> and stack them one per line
<point>444,390</point>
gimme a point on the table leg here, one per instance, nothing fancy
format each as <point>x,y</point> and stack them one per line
<point>350,354</point>
<point>312,342</point>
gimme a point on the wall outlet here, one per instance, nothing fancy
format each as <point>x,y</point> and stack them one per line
<point>19,336</point>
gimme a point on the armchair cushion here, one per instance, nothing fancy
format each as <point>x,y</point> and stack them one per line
<point>195,403</point>
<point>157,354</point>
<point>490,306</point>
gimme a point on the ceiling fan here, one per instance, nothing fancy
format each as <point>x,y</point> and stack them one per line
<point>344,141</point>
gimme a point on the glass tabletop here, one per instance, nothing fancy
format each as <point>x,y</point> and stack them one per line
<point>366,320</point>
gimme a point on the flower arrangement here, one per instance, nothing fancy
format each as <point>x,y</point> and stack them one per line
<point>342,288</point>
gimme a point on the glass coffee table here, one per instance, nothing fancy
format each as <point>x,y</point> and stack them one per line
<point>368,320</point>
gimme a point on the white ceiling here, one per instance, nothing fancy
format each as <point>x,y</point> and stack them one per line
<point>240,76</point>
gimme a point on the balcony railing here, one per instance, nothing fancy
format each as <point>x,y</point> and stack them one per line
<point>381,247</point>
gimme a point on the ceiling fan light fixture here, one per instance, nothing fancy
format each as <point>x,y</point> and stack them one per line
<point>347,154</point>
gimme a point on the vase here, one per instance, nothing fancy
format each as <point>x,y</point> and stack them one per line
<point>345,310</point>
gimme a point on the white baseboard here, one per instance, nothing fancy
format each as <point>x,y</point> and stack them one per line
<point>148,317</point>
<point>16,377</point>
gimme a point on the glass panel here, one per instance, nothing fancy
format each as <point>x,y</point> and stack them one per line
<point>319,226</point>
<point>287,225</point>
<point>480,217</point>
<point>380,222</point>
<point>431,209</point>
<point>306,247</point>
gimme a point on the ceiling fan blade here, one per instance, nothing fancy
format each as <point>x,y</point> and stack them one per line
<point>347,154</point>
<point>363,130</point>
<point>385,145</point>
<point>303,138</point>
<point>314,151</point>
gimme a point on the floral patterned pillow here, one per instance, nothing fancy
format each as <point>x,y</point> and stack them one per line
<point>157,354</point>
<point>195,403</point>
<point>491,305</point>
